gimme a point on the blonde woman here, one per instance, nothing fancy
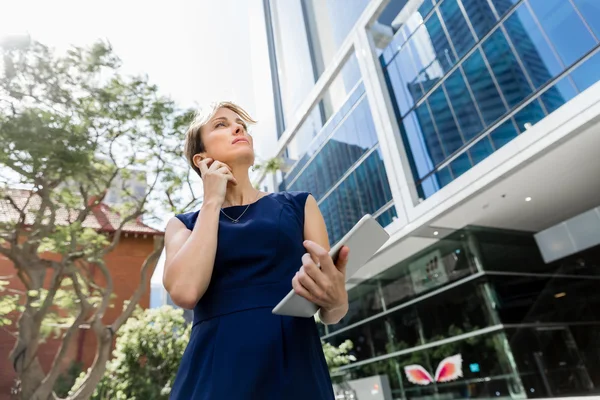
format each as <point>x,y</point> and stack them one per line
<point>233,260</point>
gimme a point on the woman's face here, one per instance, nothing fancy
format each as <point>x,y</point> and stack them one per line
<point>226,139</point>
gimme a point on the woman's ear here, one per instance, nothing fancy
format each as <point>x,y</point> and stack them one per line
<point>198,158</point>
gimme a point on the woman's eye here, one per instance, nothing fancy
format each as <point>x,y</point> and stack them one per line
<point>219,124</point>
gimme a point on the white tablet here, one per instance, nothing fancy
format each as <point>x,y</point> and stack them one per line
<point>364,239</point>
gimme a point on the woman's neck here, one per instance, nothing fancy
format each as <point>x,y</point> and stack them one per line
<point>243,192</point>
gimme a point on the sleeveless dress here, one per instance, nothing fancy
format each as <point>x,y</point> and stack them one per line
<point>238,349</point>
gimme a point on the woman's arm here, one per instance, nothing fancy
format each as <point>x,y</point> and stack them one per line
<point>324,286</point>
<point>190,256</point>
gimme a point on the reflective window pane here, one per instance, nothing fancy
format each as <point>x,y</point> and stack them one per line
<point>481,150</point>
<point>387,217</point>
<point>425,122</point>
<point>464,108</point>
<point>502,6</point>
<point>444,121</point>
<point>587,73</point>
<point>369,339</point>
<point>401,101</point>
<point>528,116</point>
<point>503,134</point>
<point>457,27</point>
<point>590,9</point>
<point>485,92</point>
<point>439,42</point>
<point>561,92</point>
<point>363,302</point>
<point>444,176</point>
<point>481,16</point>
<point>364,191</point>
<point>535,52</point>
<point>404,329</point>
<point>406,67</point>
<point>508,73</point>
<point>453,312</point>
<point>414,140</point>
<point>460,165</point>
<point>564,28</point>
<point>425,8</point>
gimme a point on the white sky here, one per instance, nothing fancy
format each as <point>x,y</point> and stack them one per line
<point>197,51</point>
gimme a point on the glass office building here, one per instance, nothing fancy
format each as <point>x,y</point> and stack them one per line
<point>399,108</point>
<point>468,76</point>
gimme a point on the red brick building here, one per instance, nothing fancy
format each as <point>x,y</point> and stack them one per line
<point>137,242</point>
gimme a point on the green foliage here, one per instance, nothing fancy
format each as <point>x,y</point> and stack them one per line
<point>338,356</point>
<point>73,128</point>
<point>9,303</point>
<point>65,381</point>
<point>146,358</point>
<point>271,165</point>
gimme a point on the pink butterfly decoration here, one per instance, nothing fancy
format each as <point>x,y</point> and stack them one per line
<point>449,369</point>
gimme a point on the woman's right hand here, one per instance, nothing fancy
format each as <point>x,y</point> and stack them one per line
<point>215,176</point>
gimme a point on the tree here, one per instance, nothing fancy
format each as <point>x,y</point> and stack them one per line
<point>146,358</point>
<point>72,127</point>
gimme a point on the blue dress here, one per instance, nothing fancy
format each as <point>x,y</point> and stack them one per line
<point>239,350</point>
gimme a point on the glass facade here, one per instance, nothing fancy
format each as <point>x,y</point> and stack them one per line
<point>521,328</point>
<point>335,155</point>
<point>307,34</point>
<point>468,76</point>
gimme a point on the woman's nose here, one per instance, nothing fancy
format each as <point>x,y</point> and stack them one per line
<point>237,129</point>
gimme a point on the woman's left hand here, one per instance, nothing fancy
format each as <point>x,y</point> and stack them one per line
<point>324,286</point>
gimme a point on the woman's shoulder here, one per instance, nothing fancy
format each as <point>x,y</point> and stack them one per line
<point>188,218</point>
<point>296,198</point>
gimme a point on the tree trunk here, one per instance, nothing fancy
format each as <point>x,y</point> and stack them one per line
<point>96,372</point>
<point>24,356</point>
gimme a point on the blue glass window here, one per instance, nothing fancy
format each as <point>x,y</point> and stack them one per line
<point>587,73</point>
<point>590,9</point>
<point>464,108</point>
<point>403,101</point>
<point>534,50</point>
<point>387,217</point>
<point>441,45</point>
<point>414,139</point>
<point>565,29</point>
<point>485,92</point>
<point>531,114</point>
<point>460,165</point>
<point>481,150</point>
<point>502,6</point>
<point>481,16</point>
<point>408,73</point>
<point>425,8</point>
<point>444,121</point>
<point>428,187</point>
<point>561,92</point>
<point>457,27</point>
<point>430,135</point>
<point>435,182</point>
<point>365,190</point>
<point>509,75</point>
<point>503,134</point>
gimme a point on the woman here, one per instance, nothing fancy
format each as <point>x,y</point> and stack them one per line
<point>233,261</point>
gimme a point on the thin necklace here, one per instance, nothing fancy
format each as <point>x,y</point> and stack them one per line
<point>235,221</point>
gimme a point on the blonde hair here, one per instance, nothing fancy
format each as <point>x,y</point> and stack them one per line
<point>193,138</point>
